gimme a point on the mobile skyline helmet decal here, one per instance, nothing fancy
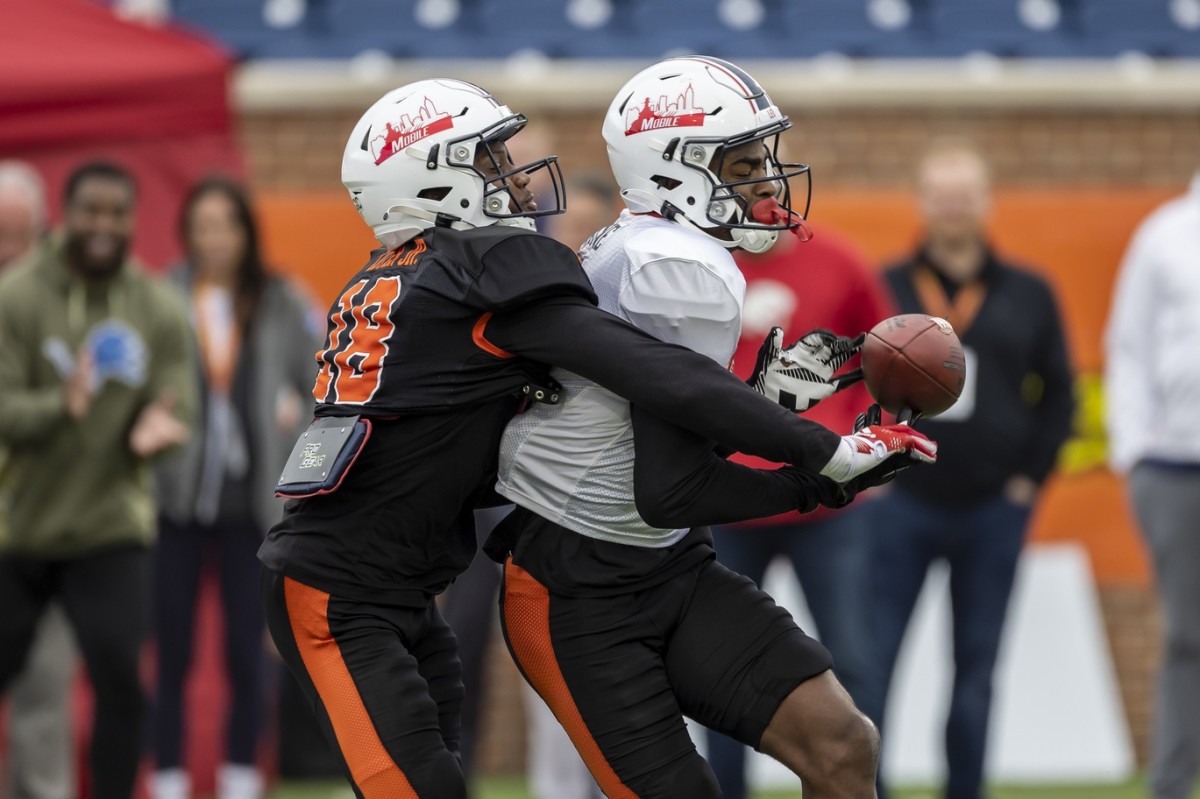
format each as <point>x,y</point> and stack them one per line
<point>429,120</point>
<point>682,113</point>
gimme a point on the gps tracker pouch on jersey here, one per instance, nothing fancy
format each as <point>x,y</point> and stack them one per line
<point>323,456</point>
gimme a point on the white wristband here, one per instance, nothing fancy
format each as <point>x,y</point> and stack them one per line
<point>848,462</point>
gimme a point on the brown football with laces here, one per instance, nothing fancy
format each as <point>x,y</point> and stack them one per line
<point>914,362</point>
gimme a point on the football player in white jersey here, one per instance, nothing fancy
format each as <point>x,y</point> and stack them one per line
<point>614,606</point>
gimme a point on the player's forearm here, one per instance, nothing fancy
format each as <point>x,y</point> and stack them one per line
<point>679,481</point>
<point>670,381</point>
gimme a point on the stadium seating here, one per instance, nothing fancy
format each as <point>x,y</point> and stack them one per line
<point>1160,28</point>
<point>738,29</point>
<point>1007,28</point>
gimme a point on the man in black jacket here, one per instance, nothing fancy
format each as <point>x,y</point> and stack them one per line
<point>998,444</point>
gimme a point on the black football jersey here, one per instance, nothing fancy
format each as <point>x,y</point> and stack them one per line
<point>408,348</point>
<point>408,332</point>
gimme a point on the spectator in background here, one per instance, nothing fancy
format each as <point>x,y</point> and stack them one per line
<point>217,496</point>
<point>22,210</point>
<point>97,376</point>
<point>823,283</point>
<point>40,765</point>
<point>1152,393</point>
<point>998,444</point>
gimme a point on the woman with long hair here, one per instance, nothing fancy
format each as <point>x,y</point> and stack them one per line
<point>255,343</point>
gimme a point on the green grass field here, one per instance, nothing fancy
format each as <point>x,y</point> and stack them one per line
<point>514,788</point>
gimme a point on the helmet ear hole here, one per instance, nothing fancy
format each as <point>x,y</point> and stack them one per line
<point>666,183</point>
<point>436,194</point>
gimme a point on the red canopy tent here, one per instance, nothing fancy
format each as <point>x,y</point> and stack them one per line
<point>77,82</point>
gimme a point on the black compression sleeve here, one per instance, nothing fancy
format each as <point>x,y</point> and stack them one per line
<point>671,381</point>
<point>679,481</point>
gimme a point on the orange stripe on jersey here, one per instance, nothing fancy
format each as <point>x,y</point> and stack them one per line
<point>482,343</point>
<point>527,622</point>
<point>374,772</point>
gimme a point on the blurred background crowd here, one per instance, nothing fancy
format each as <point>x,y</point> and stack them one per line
<point>172,220</point>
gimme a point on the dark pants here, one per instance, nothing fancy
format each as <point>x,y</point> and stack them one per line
<point>620,672</point>
<point>1167,502</point>
<point>181,554</point>
<point>103,597</point>
<point>981,542</point>
<point>384,682</point>
<point>830,557</point>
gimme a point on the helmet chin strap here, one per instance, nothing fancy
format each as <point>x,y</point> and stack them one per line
<point>752,240</point>
<point>640,201</point>
<point>729,244</point>
<point>411,222</point>
<point>435,219</point>
<point>523,222</point>
<point>755,241</point>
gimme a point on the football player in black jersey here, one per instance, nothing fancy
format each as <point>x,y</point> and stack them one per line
<point>432,346</point>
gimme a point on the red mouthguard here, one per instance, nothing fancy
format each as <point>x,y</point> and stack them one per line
<point>770,212</point>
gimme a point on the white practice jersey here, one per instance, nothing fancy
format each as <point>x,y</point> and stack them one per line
<point>572,463</point>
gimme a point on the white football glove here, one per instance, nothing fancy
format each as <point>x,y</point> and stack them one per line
<point>865,449</point>
<point>801,375</point>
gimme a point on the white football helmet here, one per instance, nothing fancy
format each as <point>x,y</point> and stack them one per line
<point>409,163</point>
<point>666,126</point>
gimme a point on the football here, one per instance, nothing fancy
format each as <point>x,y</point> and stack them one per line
<point>914,362</point>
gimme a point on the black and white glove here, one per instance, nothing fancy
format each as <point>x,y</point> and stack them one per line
<point>802,374</point>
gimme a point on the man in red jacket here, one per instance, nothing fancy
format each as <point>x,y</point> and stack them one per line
<point>822,283</point>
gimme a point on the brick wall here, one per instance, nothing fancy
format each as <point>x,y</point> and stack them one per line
<point>846,147</point>
<point>859,147</point>
<point>1134,635</point>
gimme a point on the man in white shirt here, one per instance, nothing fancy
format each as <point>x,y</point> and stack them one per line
<point>1152,394</point>
<point>613,605</point>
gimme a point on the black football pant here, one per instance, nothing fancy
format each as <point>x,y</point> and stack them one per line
<point>621,672</point>
<point>385,684</point>
<point>103,596</point>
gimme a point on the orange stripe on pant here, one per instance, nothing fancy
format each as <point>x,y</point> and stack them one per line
<point>372,768</point>
<point>527,622</point>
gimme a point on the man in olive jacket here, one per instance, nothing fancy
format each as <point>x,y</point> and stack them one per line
<point>97,378</point>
